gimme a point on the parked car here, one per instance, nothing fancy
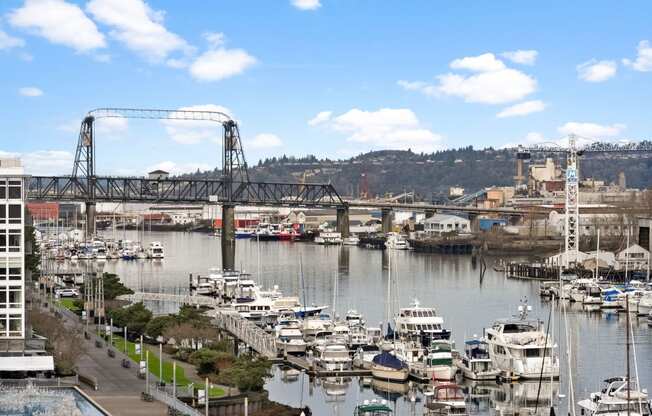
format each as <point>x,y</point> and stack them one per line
<point>67,293</point>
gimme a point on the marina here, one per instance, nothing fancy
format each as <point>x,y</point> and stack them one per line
<point>413,274</point>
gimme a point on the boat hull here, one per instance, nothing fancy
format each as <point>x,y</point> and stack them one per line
<point>389,374</point>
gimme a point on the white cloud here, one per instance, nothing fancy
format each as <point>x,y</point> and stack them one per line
<point>139,27</point>
<point>221,63</point>
<point>175,168</point>
<point>522,109</point>
<point>111,127</point>
<point>320,118</point>
<point>496,87</point>
<point>643,61</point>
<point>523,57</point>
<point>214,39</point>
<point>263,141</point>
<point>59,22</point>
<point>9,42</point>
<point>193,132</point>
<point>596,71</point>
<point>481,63</point>
<point>387,128</point>
<point>591,130</point>
<point>306,4</point>
<point>43,162</point>
<point>30,92</point>
<point>493,83</point>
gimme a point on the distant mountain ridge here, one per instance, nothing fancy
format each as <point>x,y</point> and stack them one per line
<point>396,171</point>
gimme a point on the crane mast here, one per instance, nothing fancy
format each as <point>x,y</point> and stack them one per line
<point>572,203</point>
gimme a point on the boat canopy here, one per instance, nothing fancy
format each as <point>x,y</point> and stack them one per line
<point>388,360</point>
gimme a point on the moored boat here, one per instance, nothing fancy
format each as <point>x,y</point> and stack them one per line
<point>386,366</point>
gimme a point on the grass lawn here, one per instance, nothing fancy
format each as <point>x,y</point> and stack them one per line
<point>154,366</point>
<point>68,304</point>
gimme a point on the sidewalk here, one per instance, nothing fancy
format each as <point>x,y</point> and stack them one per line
<point>119,388</point>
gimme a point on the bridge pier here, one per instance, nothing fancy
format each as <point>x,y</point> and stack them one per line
<point>90,219</point>
<point>228,237</point>
<point>343,221</point>
<point>386,217</point>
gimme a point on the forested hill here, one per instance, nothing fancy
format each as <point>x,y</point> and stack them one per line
<point>396,171</point>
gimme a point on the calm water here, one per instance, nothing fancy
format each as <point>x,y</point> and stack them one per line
<point>450,283</point>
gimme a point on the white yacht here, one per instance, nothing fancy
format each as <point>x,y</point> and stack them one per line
<point>645,304</point>
<point>333,356</point>
<point>439,360</point>
<point>289,339</point>
<point>354,317</point>
<point>618,398</point>
<point>476,364</point>
<point>417,321</point>
<point>155,250</point>
<point>519,348</point>
<point>580,289</point>
<point>396,242</point>
<point>351,241</point>
<point>327,238</point>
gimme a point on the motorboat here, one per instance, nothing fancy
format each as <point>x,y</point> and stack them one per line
<point>439,360</point>
<point>308,311</point>
<point>99,253</point>
<point>333,356</point>
<point>267,232</point>
<point>353,318</point>
<point>205,288</point>
<point>155,250</point>
<point>374,335</point>
<point>335,386</point>
<point>396,241</point>
<point>287,233</point>
<point>579,289</point>
<point>386,366</point>
<point>476,364</point>
<point>351,241</point>
<point>244,233</point>
<point>611,298</point>
<point>445,399</point>
<point>419,322</point>
<point>619,397</point>
<point>645,304</point>
<point>311,327</point>
<point>289,340</point>
<point>520,348</point>
<point>327,238</point>
<point>357,336</point>
<point>364,356</point>
<point>372,408</point>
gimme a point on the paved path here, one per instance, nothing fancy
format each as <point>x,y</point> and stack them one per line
<point>119,388</point>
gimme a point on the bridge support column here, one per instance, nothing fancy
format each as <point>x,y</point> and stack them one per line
<point>90,219</point>
<point>386,217</point>
<point>475,223</point>
<point>228,237</point>
<point>343,221</point>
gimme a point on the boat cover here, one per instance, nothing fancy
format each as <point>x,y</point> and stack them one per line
<point>388,360</point>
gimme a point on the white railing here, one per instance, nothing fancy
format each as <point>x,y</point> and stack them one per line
<point>172,402</point>
<point>169,297</point>
<point>262,342</point>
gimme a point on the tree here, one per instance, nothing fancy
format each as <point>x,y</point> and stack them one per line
<point>134,317</point>
<point>32,260</point>
<point>248,373</point>
<point>156,326</point>
<point>65,343</point>
<point>188,335</point>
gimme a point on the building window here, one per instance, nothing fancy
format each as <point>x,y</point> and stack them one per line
<point>3,324</point>
<point>14,273</point>
<point>3,241</point>
<point>15,216</point>
<point>15,325</point>
<point>3,213</point>
<point>14,241</point>
<point>15,190</point>
<point>14,301</point>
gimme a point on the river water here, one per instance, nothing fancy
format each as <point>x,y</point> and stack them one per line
<point>449,283</point>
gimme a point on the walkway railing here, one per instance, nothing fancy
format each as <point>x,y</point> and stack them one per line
<point>256,338</point>
<point>169,297</point>
<point>160,394</point>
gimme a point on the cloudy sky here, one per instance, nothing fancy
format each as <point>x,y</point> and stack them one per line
<point>328,77</point>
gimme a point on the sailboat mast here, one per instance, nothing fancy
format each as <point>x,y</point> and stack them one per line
<point>597,256</point>
<point>629,387</point>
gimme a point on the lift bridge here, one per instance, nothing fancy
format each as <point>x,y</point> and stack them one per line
<point>233,188</point>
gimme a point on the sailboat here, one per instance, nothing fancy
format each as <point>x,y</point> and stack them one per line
<point>621,395</point>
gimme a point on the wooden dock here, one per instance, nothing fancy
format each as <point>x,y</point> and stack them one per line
<point>442,246</point>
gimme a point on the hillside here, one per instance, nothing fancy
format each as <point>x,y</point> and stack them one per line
<point>395,171</point>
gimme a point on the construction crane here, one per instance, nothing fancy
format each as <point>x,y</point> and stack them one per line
<point>573,152</point>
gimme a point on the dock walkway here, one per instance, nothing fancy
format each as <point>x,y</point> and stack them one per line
<point>247,332</point>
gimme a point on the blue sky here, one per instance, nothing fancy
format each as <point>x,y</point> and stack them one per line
<point>328,77</point>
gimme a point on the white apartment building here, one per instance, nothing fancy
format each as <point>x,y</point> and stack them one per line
<point>12,251</point>
<point>444,223</point>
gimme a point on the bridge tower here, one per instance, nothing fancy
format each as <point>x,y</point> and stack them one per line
<point>84,168</point>
<point>234,174</point>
